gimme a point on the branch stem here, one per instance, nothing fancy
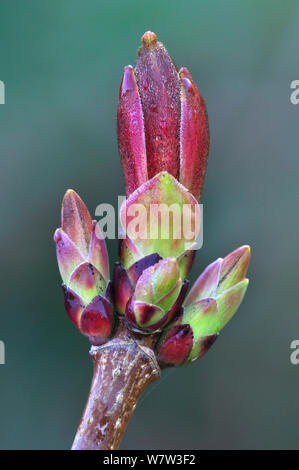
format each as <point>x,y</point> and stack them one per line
<point>123,368</point>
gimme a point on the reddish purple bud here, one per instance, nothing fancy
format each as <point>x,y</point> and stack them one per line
<point>73,304</point>
<point>130,132</point>
<point>139,266</point>
<point>130,314</point>
<point>94,320</point>
<point>162,121</point>
<point>122,288</point>
<point>194,138</point>
<point>97,320</point>
<point>109,292</point>
<point>176,346</point>
<point>159,89</point>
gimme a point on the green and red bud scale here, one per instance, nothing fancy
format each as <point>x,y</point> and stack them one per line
<point>167,236</point>
<point>157,296</point>
<point>163,139</point>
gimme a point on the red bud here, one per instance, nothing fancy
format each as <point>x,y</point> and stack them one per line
<point>159,89</point>
<point>131,140</point>
<point>175,346</point>
<point>97,320</point>
<point>194,138</point>
<point>162,121</point>
<point>122,288</point>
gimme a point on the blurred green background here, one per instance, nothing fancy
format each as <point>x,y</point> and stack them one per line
<point>62,62</point>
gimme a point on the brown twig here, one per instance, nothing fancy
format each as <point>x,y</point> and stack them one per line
<point>123,368</point>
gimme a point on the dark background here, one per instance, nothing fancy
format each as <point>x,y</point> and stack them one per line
<point>62,62</point>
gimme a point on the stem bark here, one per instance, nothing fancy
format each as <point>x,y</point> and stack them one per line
<point>123,368</point>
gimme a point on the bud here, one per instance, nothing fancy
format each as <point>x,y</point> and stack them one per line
<point>211,303</point>
<point>157,297</point>
<point>124,281</point>
<point>83,263</point>
<point>234,268</point>
<point>223,279</point>
<point>155,219</point>
<point>162,121</point>
<point>194,135</point>
<point>176,346</point>
<point>165,192</point>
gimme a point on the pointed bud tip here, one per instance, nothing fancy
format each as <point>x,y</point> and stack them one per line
<point>246,249</point>
<point>128,82</point>
<point>70,199</point>
<point>246,253</point>
<point>149,39</point>
<point>240,255</point>
<point>188,85</point>
<point>76,220</point>
<point>184,73</point>
<point>70,193</point>
<point>57,235</point>
<point>243,250</point>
